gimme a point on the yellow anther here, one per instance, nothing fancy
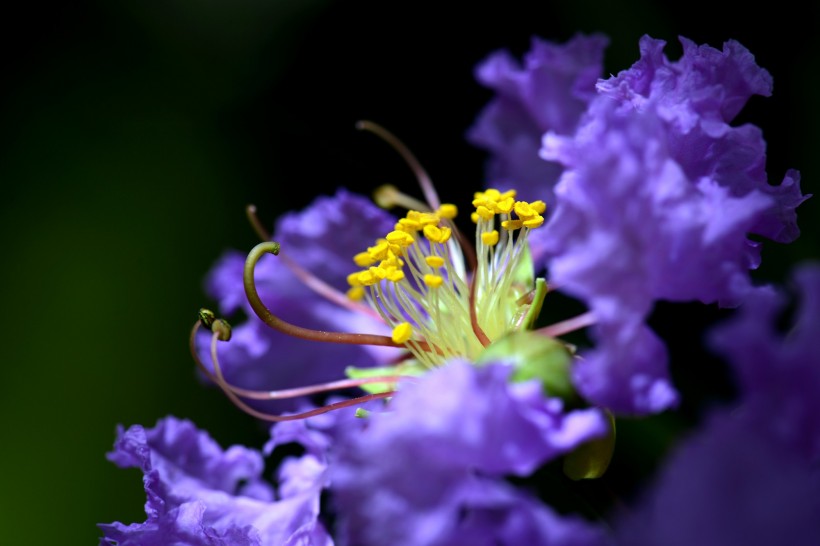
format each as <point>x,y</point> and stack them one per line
<point>524,210</point>
<point>402,333</point>
<point>379,250</point>
<point>474,217</point>
<point>433,281</point>
<point>505,206</point>
<point>512,225</point>
<point>395,275</point>
<point>378,272</point>
<point>400,238</point>
<point>408,225</point>
<point>484,212</point>
<point>429,219</point>
<point>353,279</point>
<point>366,278</point>
<point>534,222</point>
<point>434,261</point>
<point>363,259</point>
<point>538,206</point>
<point>356,293</point>
<point>490,238</point>
<point>437,234</point>
<point>508,194</point>
<point>492,194</point>
<point>447,210</point>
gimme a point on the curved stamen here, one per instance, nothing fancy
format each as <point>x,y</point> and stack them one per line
<point>282,394</point>
<point>261,232</point>
<point>266,316</point>
<point>421,175</point>
<point>220,380</point>
<point>570,325</point>
<point>309,279</point>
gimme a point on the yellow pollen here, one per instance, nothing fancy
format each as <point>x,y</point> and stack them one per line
<point>363,259</point>
<point>356,293</point>
<point>512,225</point>
<point>490,238</point>
<point>534,222</point>
<point>395,275</point>
<point>408,225</point>
<point>524,210</point>
<point>447,210</point>
<point>538,206</point>
<point>474,217</point>
<point>433,281</point>
<point>436,234</point>
<point>400,238</point>
<point>402,333</point>
<point>434,261</point>
<point>484,212</point>
<point>505,206</point>
<point>353,279</point>
<point>428,219</point>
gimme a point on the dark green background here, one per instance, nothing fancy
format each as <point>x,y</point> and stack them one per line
<point>133,134</point>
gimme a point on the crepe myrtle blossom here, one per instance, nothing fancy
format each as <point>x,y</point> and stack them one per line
<point>199,494</point>
<point>657,199</point>
<point>749,475</point>
<point>439,295</point>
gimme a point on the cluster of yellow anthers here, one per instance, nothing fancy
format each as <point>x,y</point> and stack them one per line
<point>416,279</point>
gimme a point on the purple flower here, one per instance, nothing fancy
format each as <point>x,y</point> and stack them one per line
<point>429,469</point>
<point>657,200</point>
<point>549,92</point>
<point>750,475</point>
<point>322,239</point>
<point>779,371</point>
<point>200,494</point>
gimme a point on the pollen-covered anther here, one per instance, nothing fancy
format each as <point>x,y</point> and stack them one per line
<point>512,225</point>
<point>490,238</point>
<point>524,210</point>
<point>434,261</point>
<point>363,259</point>
<point>402,332</point>
<point>433,281</point>
<point>505,206</point>
<point>437,234</point>
<point>400,238</point>
<point>534,222</point>
<point>448,211</point>
<point>356,293</point>
<point>484,212</point>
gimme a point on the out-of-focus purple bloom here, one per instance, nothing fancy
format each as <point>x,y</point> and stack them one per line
<point>549,92</point>
<point>779,371</point>
<point>750,475</point>
<point>199,494</point>
<point>322,239</point>
<point>429,470</point>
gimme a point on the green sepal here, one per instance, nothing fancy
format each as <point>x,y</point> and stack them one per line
<point>591,459</point>
<point>408,367</point>
<point>534,356</point>
<point>361,413</point>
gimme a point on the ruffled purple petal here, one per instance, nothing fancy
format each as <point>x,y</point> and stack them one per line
<point>627,371</point>
<point>413,472</point>
<point>698,96</point>
<point>549,92</point>
<point>200,494</point>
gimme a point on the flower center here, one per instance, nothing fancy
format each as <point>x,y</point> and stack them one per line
<point>417,280</point>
